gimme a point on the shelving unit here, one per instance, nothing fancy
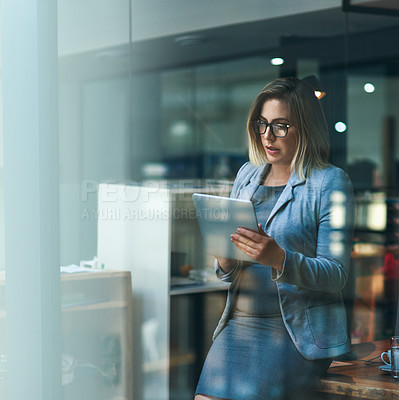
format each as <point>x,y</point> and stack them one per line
<point>97,346</point>
<point>97,335</point>
<point>375,281</point>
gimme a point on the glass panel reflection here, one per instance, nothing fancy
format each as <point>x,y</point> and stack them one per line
<point>95,99</point>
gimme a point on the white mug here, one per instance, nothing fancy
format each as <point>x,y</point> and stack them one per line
<point>388,353</point>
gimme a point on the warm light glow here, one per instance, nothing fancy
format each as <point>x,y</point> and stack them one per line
<point>369,88</point>
<point>377,216</point>
<point>340,127</point>
<point>319,94</point>
<point>277,61</point>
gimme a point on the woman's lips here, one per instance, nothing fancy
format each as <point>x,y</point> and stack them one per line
<point>272,150</point>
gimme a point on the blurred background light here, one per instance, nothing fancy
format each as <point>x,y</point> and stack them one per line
<point>319,94</point>
<point>180,128</point>
<point>277,61</point>
<point>369,88</point>
<point>340,127</point>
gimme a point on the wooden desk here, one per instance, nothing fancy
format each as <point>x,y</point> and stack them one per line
<point>360,380</point>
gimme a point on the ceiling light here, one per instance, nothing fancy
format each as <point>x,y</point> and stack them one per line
<point>277,61</point>
<point>190,40</point>
<point>180,129</point>
<point>340,127</point>
<point>369,88</point>
<point>112,53</point>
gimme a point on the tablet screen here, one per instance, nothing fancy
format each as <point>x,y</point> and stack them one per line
<point>218,218</point>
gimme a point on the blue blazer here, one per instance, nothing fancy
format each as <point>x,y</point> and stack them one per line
<point>313,222</point>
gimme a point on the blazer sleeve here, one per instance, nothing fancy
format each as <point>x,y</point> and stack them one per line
<point>328,270</point>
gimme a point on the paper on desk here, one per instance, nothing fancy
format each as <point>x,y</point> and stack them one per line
<point>340,364</point>
<point>74,269</point>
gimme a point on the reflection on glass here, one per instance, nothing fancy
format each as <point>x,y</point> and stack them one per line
<point>95,96</point>
<point>204,110</point>
<point>338,210</point>
<point>372,211</point>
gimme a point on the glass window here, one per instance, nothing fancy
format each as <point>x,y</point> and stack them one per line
<point>151,116</point>
<point>204,112</point>
<point>96,146</point>
<point>3,341</point>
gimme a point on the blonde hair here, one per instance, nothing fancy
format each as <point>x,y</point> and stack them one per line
<point>306,114</point>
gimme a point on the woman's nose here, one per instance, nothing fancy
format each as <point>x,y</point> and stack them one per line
<point>268,134</point>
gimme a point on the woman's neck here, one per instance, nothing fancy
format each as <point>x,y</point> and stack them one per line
<point>277,176</point>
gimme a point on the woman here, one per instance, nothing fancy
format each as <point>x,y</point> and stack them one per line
<point>284,319</point>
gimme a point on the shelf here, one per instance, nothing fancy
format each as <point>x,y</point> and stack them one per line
<point>197,287</point>
<point>96,274</point>
<point>175,361</point>
<point>95,306</point>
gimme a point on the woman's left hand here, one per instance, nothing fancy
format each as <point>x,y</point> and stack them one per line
<point>260,247</point>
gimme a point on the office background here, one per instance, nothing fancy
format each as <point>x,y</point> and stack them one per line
<point>130,91</point>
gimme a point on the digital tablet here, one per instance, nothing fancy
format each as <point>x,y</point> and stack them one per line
<point>218,218</point>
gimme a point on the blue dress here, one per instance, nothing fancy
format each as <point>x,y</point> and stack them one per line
<point>253,358</point>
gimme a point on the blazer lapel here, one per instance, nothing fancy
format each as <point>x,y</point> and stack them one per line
<point>249,189</point>
<point>286,196</point>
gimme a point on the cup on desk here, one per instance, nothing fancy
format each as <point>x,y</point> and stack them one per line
<point>386,357</point>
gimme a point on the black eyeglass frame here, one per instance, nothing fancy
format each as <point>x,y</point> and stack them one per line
<point>272,125</point>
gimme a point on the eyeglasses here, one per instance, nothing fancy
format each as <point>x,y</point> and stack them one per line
<point>276,128</point>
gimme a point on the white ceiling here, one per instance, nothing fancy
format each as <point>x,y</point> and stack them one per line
<point>86,25</point>
<point>235,40</point>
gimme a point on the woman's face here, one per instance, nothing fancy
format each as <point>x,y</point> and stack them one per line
<point>280,151</point>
